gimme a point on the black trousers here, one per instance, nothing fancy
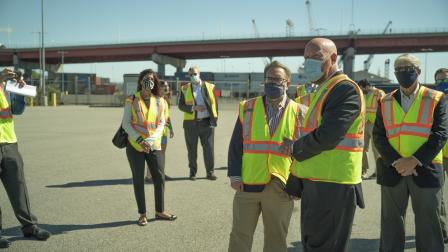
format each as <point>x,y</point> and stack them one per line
<point>327,216</point>
<point>200,130</point>
<point>13,179</point>
<point>156,163</point>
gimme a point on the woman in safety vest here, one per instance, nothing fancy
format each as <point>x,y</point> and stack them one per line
<point>144,121</point>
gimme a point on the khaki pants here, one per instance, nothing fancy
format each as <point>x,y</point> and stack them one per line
<point>367,137</point>
<point>276,208</point>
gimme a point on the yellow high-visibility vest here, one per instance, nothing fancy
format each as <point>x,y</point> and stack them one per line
<point>305,100</point>
<point>261,155</point>
<point>342,164</point>
<point>189,99</point>
<point>302,96</point>
<point>406,132</point>
<point>372,99</point>
<point>301,90</point>
<point>146,120</point>
<point>7,133</point>
<point>167,118</point>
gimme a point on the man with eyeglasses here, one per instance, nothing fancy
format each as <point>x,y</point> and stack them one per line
<point>200,106</point>
<point>410,131</point>
<point>326,171</point>
<point>441,78</point>
<point>257,168</point>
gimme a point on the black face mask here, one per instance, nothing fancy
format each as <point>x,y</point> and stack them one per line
<point>273,90</point>
<point>406,78</point>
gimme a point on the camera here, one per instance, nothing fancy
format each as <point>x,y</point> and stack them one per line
<point>17,77</point>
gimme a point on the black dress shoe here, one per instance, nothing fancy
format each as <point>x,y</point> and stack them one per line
<point>4,243</point>
<point>212,177</point>
<point>171,217</point>
<point>36,232</point>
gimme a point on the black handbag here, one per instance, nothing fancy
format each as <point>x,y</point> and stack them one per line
<point>120,138</point>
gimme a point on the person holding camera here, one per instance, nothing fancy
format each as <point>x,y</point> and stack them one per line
<point>144,121</point>
<point>11,162</point>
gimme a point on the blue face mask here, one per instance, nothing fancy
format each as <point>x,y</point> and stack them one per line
<point>313,69</point>
<point>406,78</point>
<point>195,79</point>
<point>273,90</point>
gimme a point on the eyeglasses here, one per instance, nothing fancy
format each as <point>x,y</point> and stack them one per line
<point>275,80</point>
<point>405,69</point>
<point>193,74</point>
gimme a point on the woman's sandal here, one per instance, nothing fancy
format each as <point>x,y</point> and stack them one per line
<point>171,217</point>
<point>142,221</point>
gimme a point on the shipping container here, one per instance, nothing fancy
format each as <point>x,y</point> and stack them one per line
<point>231,76</point>
<point>130,83</point>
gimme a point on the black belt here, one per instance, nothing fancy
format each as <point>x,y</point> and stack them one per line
<point>202,119</point>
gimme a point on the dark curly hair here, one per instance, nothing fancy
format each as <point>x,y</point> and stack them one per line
<point>155,90</point>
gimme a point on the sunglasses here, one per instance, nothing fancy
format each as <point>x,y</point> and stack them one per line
<point>193,74</point>
<point>405,69</point>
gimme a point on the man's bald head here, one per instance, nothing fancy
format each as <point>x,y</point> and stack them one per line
<point>320,47</point>
<point>325,51</point>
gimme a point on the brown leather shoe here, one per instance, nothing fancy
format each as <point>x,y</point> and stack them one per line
<point>142,221</point>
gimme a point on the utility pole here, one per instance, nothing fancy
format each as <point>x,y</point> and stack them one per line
<point>42,78</point>
<point>62,68</point>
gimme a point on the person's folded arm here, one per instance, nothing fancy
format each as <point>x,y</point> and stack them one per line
<point>340,110</point>
<point>183,106</point>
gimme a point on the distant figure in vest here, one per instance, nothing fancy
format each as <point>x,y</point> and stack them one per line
<point>200,107</point>
<point>11,168</point>
<point>441,78</point>
<point>258,170</point>
<point>326,171</point>
<point>305,93</point>
<point>164,92</point>
<point>144,121</point>
<point>410,131</point>
<point>372,96</point>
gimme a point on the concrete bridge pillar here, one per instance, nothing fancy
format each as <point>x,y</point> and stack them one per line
<point>349,61</point>
<point>161,70</point>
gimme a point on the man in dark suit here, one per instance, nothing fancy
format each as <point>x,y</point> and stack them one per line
<point>410,130</point>
<point>200,106</point>
<point>326,172</point>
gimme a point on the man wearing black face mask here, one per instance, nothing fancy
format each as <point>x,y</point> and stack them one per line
<point>258,170</point>
<point>441,78</point>
<point>410,130</point>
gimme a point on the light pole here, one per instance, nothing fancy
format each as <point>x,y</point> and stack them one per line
<point>42,78</point>
<point>426,50</point>
<point>62,68</point>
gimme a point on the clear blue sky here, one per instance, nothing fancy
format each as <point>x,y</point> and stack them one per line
<point>112,21</point>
